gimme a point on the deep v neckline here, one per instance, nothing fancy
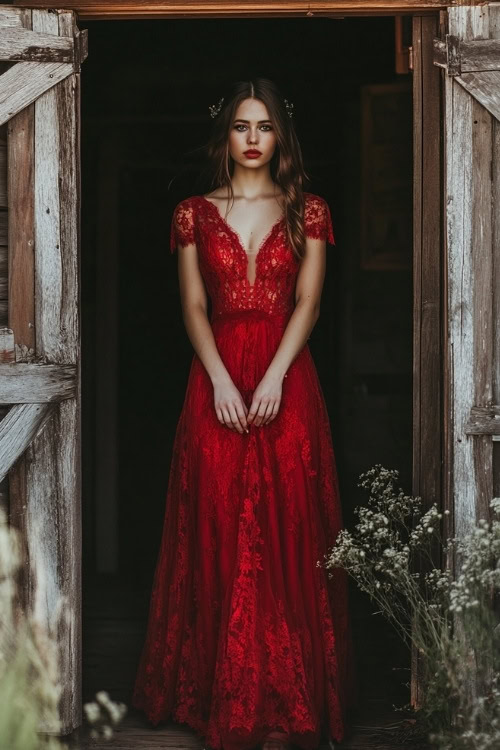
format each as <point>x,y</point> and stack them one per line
<point>239,241</point>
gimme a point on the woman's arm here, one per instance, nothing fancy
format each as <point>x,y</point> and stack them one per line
<point>230,408</point>
<point>267,396</point>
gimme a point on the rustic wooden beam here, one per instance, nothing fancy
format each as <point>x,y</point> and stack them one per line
<point>427,289</point>
<point>459,56</point>
<point>123,9</point>
<point>53,487</point>
<point>23,44</point>
<point>27,81</point>
<point>35,383</point>
<point>21,228</point>
<point>471,251</point>
<point>483,420</point>
<point>10,16</point>
<point>17,429</point>
<point>485,88</point>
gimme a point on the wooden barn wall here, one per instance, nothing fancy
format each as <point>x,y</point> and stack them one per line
<point>3,225</point>
<point>3,264</point>
<point>473,276</point>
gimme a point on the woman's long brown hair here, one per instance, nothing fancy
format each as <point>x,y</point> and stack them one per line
<point>286,166</point>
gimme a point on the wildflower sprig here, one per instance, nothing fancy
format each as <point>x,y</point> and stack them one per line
<point>450,619</point>
<point>102,714</point>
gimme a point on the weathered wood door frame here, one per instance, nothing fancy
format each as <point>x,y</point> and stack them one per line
<point>39,370</point>
<point>428,307</point>
<point>469,56</point>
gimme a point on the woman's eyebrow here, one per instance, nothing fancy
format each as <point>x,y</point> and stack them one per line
<point>239,119</point>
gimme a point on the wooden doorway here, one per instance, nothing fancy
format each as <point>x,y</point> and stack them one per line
<point>426,362</point>
<point>135,170</point>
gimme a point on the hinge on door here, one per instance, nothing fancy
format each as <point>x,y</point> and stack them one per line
<point>410,58</point>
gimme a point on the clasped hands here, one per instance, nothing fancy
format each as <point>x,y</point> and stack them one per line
<point>232,411</point>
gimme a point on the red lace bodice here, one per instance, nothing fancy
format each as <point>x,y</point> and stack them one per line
<point>224,263</point>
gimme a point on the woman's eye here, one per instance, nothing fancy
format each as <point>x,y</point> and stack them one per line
<point>240,125</point>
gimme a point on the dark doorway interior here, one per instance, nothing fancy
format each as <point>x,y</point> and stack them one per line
<point>146,88</point>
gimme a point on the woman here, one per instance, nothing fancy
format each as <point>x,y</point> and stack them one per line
<point>248,639</point>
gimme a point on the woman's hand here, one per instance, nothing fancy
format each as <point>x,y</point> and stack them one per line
<point>230,408</point>
<point>266,400</point>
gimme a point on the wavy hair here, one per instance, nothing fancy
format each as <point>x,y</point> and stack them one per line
<point>286,165</point>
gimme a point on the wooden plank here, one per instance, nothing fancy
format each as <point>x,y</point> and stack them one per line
<point>468,56</point>
<point>485,88</point>
<point>3,172</point>
<point>495,201</point>
<point>122,9</point>
<point>484,420</point>
<point>27,81</point>
<point>7,353</point>
<point>17,429</point>
<point>3,225</point>
<point>23,44</point>
<point>469,149</point>
<point>427,290</point>
<point>55,231</point>
<point>22,231</point>
<point>52,523</point>
<point>47,502</point>
<point>482,263</point>
<point>10,16</point>
<point>35,383</point>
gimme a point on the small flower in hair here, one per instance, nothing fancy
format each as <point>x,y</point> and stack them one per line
<point>215,109</point>
<point>289,107</point>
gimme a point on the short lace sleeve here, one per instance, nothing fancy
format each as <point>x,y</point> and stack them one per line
<point>317,219</point>
<point>182,227</point>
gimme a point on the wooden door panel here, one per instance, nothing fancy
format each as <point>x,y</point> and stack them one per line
<point>40,373</point>
<point>472,131</point>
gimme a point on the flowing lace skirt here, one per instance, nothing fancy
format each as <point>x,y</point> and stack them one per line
<point>246,633</point>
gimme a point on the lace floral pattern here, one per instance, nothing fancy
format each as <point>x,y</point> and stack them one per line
<point>224,263</point>
<point>246,633</point>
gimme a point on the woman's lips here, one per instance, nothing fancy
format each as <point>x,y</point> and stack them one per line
<point>252,154</point>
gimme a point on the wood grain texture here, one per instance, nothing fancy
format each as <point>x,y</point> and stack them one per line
<point>7,353</point>
<point>44,244</point>
<point>17,429</point>
<point>122,9</point>
<point>470,231</point>
<point>10,16</point>
<point>427,285</point>
<point>33,384</point>
<point>21,240</point>
<point>25,82</point>
<point>478,55</point>
<point>27,45</point>
<point>485,88</point>
<point>3,173</point>
<point>3,227</point>
<point>484,420</point>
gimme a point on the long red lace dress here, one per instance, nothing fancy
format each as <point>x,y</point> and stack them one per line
<point>246,633</point>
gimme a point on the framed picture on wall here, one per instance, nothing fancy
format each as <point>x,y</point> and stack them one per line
<point>386,176</point>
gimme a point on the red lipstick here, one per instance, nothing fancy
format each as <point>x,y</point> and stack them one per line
<point>252,153</point>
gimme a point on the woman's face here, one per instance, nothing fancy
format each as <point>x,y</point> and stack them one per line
<point>252,129</point>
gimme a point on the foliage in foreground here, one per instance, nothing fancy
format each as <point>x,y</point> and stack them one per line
<point>451,620</point>
<point>29,675</point>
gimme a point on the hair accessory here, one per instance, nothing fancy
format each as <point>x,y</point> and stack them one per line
<point>289,107</point>
<point>215,109</point>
